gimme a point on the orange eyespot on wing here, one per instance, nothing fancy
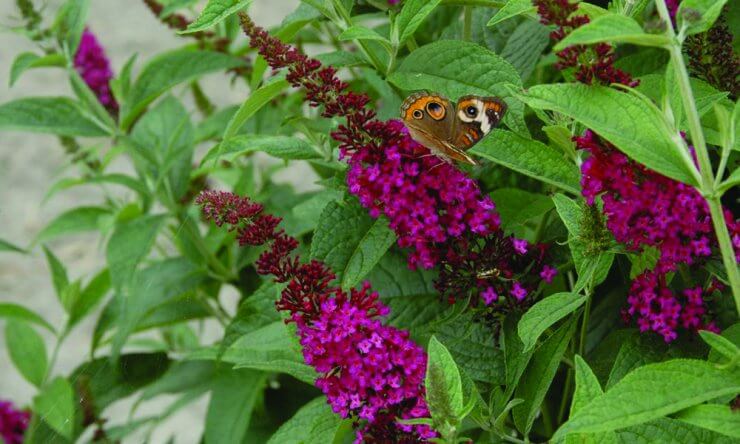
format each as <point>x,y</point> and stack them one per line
<point>433,105</point>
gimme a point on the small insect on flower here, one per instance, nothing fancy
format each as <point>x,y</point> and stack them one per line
<point>449,129</point>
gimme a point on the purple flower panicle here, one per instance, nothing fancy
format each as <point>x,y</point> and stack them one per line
<point>13,423</point>
<point>368,371</point>
<point>94,67</point>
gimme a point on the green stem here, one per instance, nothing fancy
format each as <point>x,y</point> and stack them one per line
<point>468,23</point>
<point>345,16</point>
<point>584,324</point>
<point>705,167</point>
<point>564,399</point>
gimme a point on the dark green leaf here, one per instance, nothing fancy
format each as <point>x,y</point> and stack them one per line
<point>539,374</point>
<point>214,13</point>
<point>55,406</point>
<point>254,312</point>
<point>472,346</point>
<point>54,115</point>
<point>517,207</point>
<point>587,386</point>
<point>672,385</point>
<point>58,272</point>
<point>670,431</point>
<point>544,314</point>
<point>623,119</point>
<point>234,395</point>
<point>256,100</point>
<point>529,157</point>
<point>525,46</point>
<point>516,359</point>
<point>27,351</point>
<point>511,9</point>
<point>350,241</point>
<point>90,297</point>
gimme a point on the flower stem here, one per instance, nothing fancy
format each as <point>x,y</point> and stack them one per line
<point>468,23</point>
<point>707,188</point>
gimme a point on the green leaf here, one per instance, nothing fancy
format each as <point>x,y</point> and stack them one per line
<point>18,312</point>
<point>670,431</point>
<point>70,23</point>
<point>673,385</point>
<point>412,15</point>
<point>128,245</point>
<point>723,345</point>
<point>512,8</point>
<point>732,180</point>
<point>357,32</point>
<point>516,359</point>
<point>624,120</point>
<point>544,314</point>
<point>272,348</point>
<point>27,351</point>
<point>76,220</point>
<point>539,374</point>
<point>115,178</point>
<point>90,297</point>
<point>587,386</point>
<point>256,100</point>
<point>614,28</point>
<point>350,241</point>
<point>234,396</point>
<point>314,423</point>
<point>570,212</point>
<point>455,69</point>
<point>28,60</point>
<point>525,46</point>
<point>643,261</point>
<point>282,147</point>
<point>517,207</point>
<point>53,115</point>
<point>719,418</point>
<point>58,272</point>
<point>708,12</point>
<point>7,246</point>
<point>166,71</point>
<point>55,406</point>
<point>254,312</point>
<point>472,346</point>
<point>443,384</point>
<point>214,13</point>
<point>529,157</point>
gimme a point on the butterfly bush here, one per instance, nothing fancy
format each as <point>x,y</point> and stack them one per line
<point>13,423</point>
<point>369,371</point>
<point>432,206</point>
<point>94,68</point>
<point>642,208</point>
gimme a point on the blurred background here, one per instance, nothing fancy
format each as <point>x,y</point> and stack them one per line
<point>30,164</point>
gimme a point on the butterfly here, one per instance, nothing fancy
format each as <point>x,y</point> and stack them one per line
<point>449,129</point>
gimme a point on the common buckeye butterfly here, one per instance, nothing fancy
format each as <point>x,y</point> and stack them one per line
<point>450,129</point>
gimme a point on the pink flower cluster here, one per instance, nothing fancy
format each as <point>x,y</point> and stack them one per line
<point>381,370</point>
<point>427,201</point>
<point>369,371</point>
<point>657,308</point>
<point>13,423</point>
<point>94,68</point>
<point>644,208</point>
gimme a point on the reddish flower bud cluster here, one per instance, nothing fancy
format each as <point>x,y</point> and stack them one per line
<point>13,423</point>
<point>593,64</point>
<point>711,57</point>
<point>94,67</point>
<point>644,208</point>
<point>369,371</point>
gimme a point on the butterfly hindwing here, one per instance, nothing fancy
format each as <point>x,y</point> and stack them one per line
<point>475,117</point>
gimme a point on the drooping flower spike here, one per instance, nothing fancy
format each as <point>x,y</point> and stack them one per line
<point>368,371</point>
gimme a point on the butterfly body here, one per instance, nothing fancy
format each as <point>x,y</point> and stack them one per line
<point>449,129</point>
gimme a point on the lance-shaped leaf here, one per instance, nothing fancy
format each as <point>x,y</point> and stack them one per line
<point>214,13</point>
<point>54,115</point>
<point>613,28</point>
<point>544,314</point>
<point>444,385</point>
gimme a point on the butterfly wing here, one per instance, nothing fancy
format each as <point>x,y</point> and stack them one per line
<point>429,119</point>
<point>475,117</point>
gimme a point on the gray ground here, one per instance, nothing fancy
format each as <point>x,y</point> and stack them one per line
<point>30,164</point>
